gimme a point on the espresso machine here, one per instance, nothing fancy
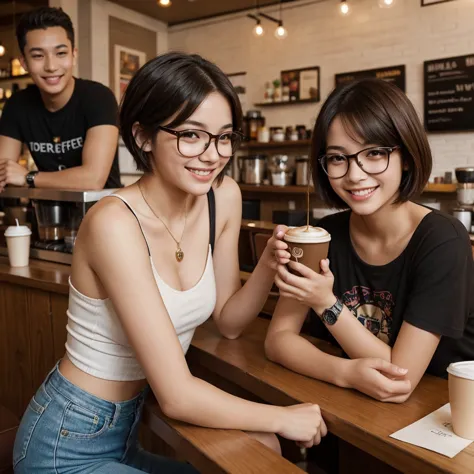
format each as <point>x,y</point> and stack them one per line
<point>53,215</point>
<point>465,196</point>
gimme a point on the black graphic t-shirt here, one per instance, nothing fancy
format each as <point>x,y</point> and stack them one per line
<point>430,285</point>
<point>56,139</point>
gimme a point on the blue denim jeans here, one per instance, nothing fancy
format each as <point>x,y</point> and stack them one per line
<point>67,430</point>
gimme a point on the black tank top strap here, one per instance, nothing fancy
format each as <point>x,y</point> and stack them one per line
<point>136,217</point>
<point>211,201</point>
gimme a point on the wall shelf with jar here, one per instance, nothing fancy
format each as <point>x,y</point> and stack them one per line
<point>287,102</point>
<point>284,144</point>
<point>14,78</point>
<point>292,189</point>
<point>268,188</point>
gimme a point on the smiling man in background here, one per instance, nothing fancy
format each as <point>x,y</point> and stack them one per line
<point>68,124</point>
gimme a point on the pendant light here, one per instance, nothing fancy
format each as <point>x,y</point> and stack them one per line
<point>344,8</point>
<point>2,49</point>
<point>281,32</point>
<point>164,3</point>
<point>386,3</point>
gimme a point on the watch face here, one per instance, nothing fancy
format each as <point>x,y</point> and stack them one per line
<point>329,317</point>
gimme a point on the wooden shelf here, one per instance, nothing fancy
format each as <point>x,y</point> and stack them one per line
<point>14,78</point>
<point>440,188</point>
<point>252,145</point>
<point>291,102</point>
<point>267,188</point>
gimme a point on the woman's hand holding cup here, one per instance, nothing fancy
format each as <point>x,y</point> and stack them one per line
<point>306,286</point>
<point>276,252</point>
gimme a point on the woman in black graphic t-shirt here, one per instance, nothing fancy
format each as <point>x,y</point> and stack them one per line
<point>397,290</point>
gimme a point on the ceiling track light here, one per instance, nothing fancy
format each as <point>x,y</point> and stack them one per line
<point>258,30</point>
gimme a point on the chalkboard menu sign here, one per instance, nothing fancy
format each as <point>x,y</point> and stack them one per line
<point>393,74</point>
<point>449,94</point>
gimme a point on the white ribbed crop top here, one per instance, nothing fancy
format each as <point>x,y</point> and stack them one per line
<point>96,343</point>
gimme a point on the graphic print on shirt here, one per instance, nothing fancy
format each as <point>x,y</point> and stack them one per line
<point>373,309</point>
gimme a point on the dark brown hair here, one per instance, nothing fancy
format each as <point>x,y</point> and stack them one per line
<point>380,113</point>
<point>41,19</point>
<point>172,83</point>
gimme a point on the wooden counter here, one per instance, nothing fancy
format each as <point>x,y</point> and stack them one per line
<point>353,417</point>
<point>47,276</point>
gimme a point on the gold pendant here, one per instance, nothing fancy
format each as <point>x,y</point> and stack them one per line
<point>179,254</point>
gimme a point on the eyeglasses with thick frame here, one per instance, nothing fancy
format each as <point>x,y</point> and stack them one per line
<point>238,136</point>
<point>323,160</point>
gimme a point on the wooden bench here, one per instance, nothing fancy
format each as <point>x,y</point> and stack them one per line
<point>8,427</point>
<point>215,451</point>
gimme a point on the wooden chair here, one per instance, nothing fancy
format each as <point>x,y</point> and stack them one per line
<point>8,427</point>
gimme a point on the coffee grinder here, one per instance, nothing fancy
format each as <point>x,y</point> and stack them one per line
<point>465,196</point>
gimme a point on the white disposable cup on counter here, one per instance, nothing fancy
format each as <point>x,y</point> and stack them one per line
<point>461,398</point>
<point>18,243</point>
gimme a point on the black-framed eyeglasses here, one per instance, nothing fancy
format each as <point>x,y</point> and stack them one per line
<point>193,142</point>
<point>373,160</point>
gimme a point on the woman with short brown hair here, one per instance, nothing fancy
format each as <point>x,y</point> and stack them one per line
<point>396,293</point>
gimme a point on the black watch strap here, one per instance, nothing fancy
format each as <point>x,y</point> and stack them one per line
<point>30,179</point>
<point>330,315</point>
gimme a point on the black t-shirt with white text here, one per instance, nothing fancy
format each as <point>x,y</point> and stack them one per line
<point>56,139</point>
<point>430,285</point>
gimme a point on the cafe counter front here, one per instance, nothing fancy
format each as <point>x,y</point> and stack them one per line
<point>33,304</point>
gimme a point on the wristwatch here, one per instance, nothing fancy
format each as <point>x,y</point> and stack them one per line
<point>30,179</point>
<point>330,315</point>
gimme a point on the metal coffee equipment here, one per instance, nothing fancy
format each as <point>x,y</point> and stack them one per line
<point>464,215</point>
<point>51,219</point>
<point>54,219</point>
<point>302,170</point>
<point>280,170</point>
<point>253,168</point>
<point>465,196</point>
<point>465,188</point>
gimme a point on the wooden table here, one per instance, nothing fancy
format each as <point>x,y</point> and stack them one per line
<point>351,416</point>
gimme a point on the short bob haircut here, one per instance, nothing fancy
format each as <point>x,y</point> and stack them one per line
<point>169,84</point>
<point>375,112</point>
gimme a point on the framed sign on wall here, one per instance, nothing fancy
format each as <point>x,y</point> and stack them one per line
<point>449,94</point>
<point>127,63</point>
<point>427,3</point>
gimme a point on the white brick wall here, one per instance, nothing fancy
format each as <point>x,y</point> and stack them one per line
<point>319,36</point>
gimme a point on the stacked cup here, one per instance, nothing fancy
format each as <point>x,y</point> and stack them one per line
<point>18,244</point>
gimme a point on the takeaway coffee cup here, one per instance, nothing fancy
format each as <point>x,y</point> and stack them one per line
<point>308,245</point>
<point>18,244</point>
<point>461,398</point>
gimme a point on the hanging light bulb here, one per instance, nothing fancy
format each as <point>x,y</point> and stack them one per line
<point>281,32</point>
<point>344,8</point>
<point>258,30</point>
<point>386,3</point>
<point>164,3</point>
<point>2,49</point>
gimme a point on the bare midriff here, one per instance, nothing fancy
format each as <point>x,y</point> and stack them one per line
<point>110,390</point>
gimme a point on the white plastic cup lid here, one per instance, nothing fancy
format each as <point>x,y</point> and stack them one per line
<point>464,370</point>
<point>17,230</point>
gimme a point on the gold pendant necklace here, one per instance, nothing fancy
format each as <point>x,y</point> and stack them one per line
<point>179,254</point>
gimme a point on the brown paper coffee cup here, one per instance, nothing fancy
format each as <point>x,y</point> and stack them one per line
<point>308,245</point>
<point>461,398</point>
